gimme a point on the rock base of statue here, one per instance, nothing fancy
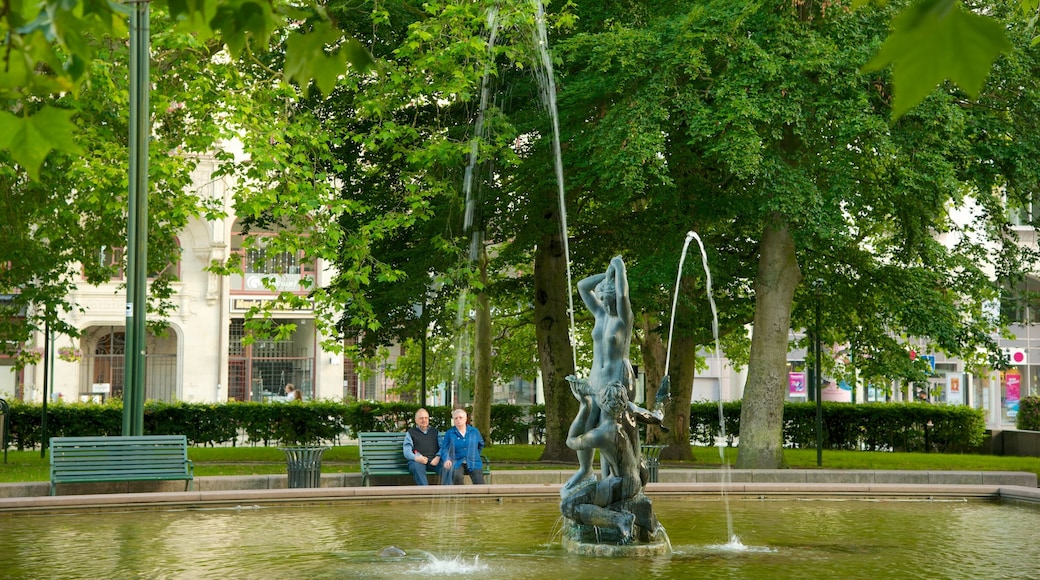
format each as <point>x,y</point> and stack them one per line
<point>595,531</point>
<point>587,540</point>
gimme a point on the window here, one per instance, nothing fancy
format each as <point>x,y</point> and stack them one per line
<point>1024,216</point>
<point>1021,304</point>
<point>113,258</point>
<point>285,270</point>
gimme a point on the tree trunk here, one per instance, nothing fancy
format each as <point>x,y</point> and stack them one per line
<point>683,368</point>
<point>652,349</point>
<point>555,357</point>
<point>762,410</point>
<point>482,389</point>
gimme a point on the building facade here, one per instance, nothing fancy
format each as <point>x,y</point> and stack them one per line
<point>201,356</point>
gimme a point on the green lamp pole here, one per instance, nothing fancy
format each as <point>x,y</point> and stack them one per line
<point>818,378</point>
<point>137,230</point>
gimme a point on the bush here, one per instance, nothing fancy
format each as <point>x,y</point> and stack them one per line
<point>1028,418</point>
<point>871,426</point>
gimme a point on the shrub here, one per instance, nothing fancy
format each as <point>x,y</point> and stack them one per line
<point>1028,417</point>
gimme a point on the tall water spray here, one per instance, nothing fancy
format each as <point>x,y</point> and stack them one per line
<point>734,542</point>
<point>547,89</point>
<point>469,223</point>
<point>543,70</point>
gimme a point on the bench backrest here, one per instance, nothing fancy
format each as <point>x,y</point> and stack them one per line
<point>111,455</point>
<point>382,450</point>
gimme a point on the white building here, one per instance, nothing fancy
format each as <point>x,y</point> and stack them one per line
<point>202,356</point>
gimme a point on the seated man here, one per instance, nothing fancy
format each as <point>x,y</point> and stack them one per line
<point>460,451</point>
<point>421,448</point>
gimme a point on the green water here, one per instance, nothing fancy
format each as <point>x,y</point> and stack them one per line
<point>783,539</point>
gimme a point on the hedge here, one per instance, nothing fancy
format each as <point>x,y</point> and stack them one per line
<point>208,424</point>
<point>872,426</point>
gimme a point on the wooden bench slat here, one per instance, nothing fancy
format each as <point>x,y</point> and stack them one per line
<point>133,458</point>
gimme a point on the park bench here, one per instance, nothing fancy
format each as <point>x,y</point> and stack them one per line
<point>133,458</point>
<point>382,453</point>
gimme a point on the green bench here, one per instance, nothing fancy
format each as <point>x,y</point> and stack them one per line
<point>382,453</point>
<point>134,458</point>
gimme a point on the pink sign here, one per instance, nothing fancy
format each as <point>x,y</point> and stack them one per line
<point>836,394</point>
<point>796,384</point>
<point>1013,385</point>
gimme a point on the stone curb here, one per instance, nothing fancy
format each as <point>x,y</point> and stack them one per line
<point>516,485</point>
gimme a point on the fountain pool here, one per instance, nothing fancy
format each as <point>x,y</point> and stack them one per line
<point>813,538</point>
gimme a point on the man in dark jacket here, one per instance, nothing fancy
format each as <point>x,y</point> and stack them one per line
<point>421,448</point>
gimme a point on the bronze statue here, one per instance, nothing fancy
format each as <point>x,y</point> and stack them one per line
<point>607,420</point>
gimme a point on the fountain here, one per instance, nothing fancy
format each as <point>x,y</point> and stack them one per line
<point>518,538</point>
<point>609,515</point>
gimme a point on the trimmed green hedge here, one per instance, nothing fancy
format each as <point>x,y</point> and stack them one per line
<point>294,423</point>
<point>871,426</point>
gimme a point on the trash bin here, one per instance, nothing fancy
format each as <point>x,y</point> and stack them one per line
<point>4,408</point>
<point>304,465</point>
<point>652,455</point>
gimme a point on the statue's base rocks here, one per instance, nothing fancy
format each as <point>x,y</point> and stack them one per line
<point>646,537</point>
<point>591,541</point>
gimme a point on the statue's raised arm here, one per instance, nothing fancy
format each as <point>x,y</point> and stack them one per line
<point>622,302</point>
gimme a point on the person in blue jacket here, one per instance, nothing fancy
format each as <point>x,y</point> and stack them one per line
<point>460,451</point>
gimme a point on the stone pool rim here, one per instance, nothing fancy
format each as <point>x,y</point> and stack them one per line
<point>221,492</point>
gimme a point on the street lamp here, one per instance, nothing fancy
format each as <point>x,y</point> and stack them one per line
<point>818,377</point>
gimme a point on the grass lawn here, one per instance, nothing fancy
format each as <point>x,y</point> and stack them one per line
<point>24,466</point>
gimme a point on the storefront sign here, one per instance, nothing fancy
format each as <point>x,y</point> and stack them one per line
<point>1012,393</point>
<point>796,384</point>
<point>243,304</point>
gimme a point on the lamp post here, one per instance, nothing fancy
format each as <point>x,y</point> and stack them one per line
<point>818,378</point>
<point>47,376</point>
<point>137,227</point>
<point>422,322</point>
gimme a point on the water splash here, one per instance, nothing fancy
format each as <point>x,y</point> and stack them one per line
<point>454,566</point>
<point>736,546</point>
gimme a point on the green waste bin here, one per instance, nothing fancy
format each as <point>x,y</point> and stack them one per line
<point>652,455</point>
<point>4,408</point>
<point>304,466</point>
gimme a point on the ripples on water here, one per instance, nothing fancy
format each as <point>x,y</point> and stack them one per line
<point>850,540</point>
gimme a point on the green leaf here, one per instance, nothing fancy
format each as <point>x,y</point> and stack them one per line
<point>358,56</point>
<point>238,20</point>
<point>935,40</point>
<point>306,60</point>
<point>30,139</point>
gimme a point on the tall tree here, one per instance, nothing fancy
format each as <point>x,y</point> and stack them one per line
<point>753,123</point>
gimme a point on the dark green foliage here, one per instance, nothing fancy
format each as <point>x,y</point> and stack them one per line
<point>871,427</point>
<point>509,424</point>
<point>290,424</point>
<point>1028,418</point>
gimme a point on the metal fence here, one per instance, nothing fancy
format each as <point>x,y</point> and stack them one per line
<point>102,376</point>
